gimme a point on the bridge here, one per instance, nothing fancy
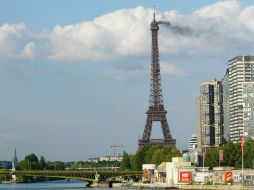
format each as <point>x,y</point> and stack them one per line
<point>89,176</point>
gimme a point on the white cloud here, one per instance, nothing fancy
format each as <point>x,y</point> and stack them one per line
<point>213,30</point>
<point>29,50</point>
<point>14,42</point>
<point>224,9</point>
<point>171,69</point>
<point>247,17</point>
<point>121,33</point>
<point>12,28</point>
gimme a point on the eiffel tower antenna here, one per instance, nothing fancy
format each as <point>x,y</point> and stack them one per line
<point>154,12</point>
<point>156,111</point>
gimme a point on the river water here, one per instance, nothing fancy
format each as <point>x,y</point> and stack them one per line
<point>51,185</point>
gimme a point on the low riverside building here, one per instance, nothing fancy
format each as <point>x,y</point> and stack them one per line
<point>94,160</point>
<point>111,158</point>
<point>149,173</point>
<point>169,173</point>
<point>248,176</point>
<point>178,171</point>
<point>161,173</point>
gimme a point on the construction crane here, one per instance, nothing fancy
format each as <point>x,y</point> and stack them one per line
<point>114,146</point>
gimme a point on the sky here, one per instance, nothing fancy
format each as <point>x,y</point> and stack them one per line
<point>75,75</point>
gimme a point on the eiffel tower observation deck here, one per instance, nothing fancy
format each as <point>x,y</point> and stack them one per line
<point>156,111</point>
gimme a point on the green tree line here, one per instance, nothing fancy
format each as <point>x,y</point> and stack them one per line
<point>232,155</point>
<point>154,154</point>
<point>31,162</point>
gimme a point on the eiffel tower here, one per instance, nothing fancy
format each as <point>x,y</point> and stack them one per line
<point>156,111</point>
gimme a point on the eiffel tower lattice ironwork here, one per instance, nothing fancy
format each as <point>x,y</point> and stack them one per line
<point>156,111</point>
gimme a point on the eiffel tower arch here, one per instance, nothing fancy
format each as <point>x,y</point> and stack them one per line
<point>156,111</point>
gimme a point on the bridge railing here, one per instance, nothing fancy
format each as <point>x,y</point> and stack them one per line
<point>76,171</point>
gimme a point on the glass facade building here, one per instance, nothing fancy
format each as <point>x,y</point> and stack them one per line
<point>210,126</point>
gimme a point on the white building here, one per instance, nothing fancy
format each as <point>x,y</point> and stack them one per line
<point>111,158</point>
<point>177,167</point>
<point>193,142</point>
<point>241,70</point>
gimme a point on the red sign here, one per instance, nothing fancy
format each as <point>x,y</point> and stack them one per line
<point>185,177</point>
<point>241,143</point>
<point>228,176</point>
<point>221,155</point>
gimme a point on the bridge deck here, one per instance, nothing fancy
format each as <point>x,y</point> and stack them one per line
<point>78,174</point>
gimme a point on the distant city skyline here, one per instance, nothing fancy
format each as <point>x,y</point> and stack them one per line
<point>75,77</point>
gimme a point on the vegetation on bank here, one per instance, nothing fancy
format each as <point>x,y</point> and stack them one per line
<point>31,162</point>
<point>154,154</point>
<point>232,155</point>
<point>5,178</point>
<point>147,154</point>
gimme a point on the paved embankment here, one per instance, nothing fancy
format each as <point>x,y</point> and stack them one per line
<point>187,187</point>
<point>213,187</point>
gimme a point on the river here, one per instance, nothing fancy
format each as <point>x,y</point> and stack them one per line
<point>51,185</point>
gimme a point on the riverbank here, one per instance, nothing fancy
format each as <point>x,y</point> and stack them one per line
<point>215,187</point>
<point>144,185</point>
<point>8,182</point>
<point>187,187</point>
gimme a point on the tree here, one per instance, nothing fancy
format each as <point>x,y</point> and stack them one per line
<point>158,157</point>
<point>248,153</point>
<point>154,154</point>
<point>32,162</point>
<point>31,157</point>
<point>23,165</point>
<point>139,158</point>
<point>172,153</point>
<point>58,165</point>
<point>232,154</point>
<point>212,157</point>
<point>126,162</point>
<point>42,163</point>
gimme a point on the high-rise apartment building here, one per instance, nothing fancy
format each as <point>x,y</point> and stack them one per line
<point>210,108</point>
<point>241,72</point>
